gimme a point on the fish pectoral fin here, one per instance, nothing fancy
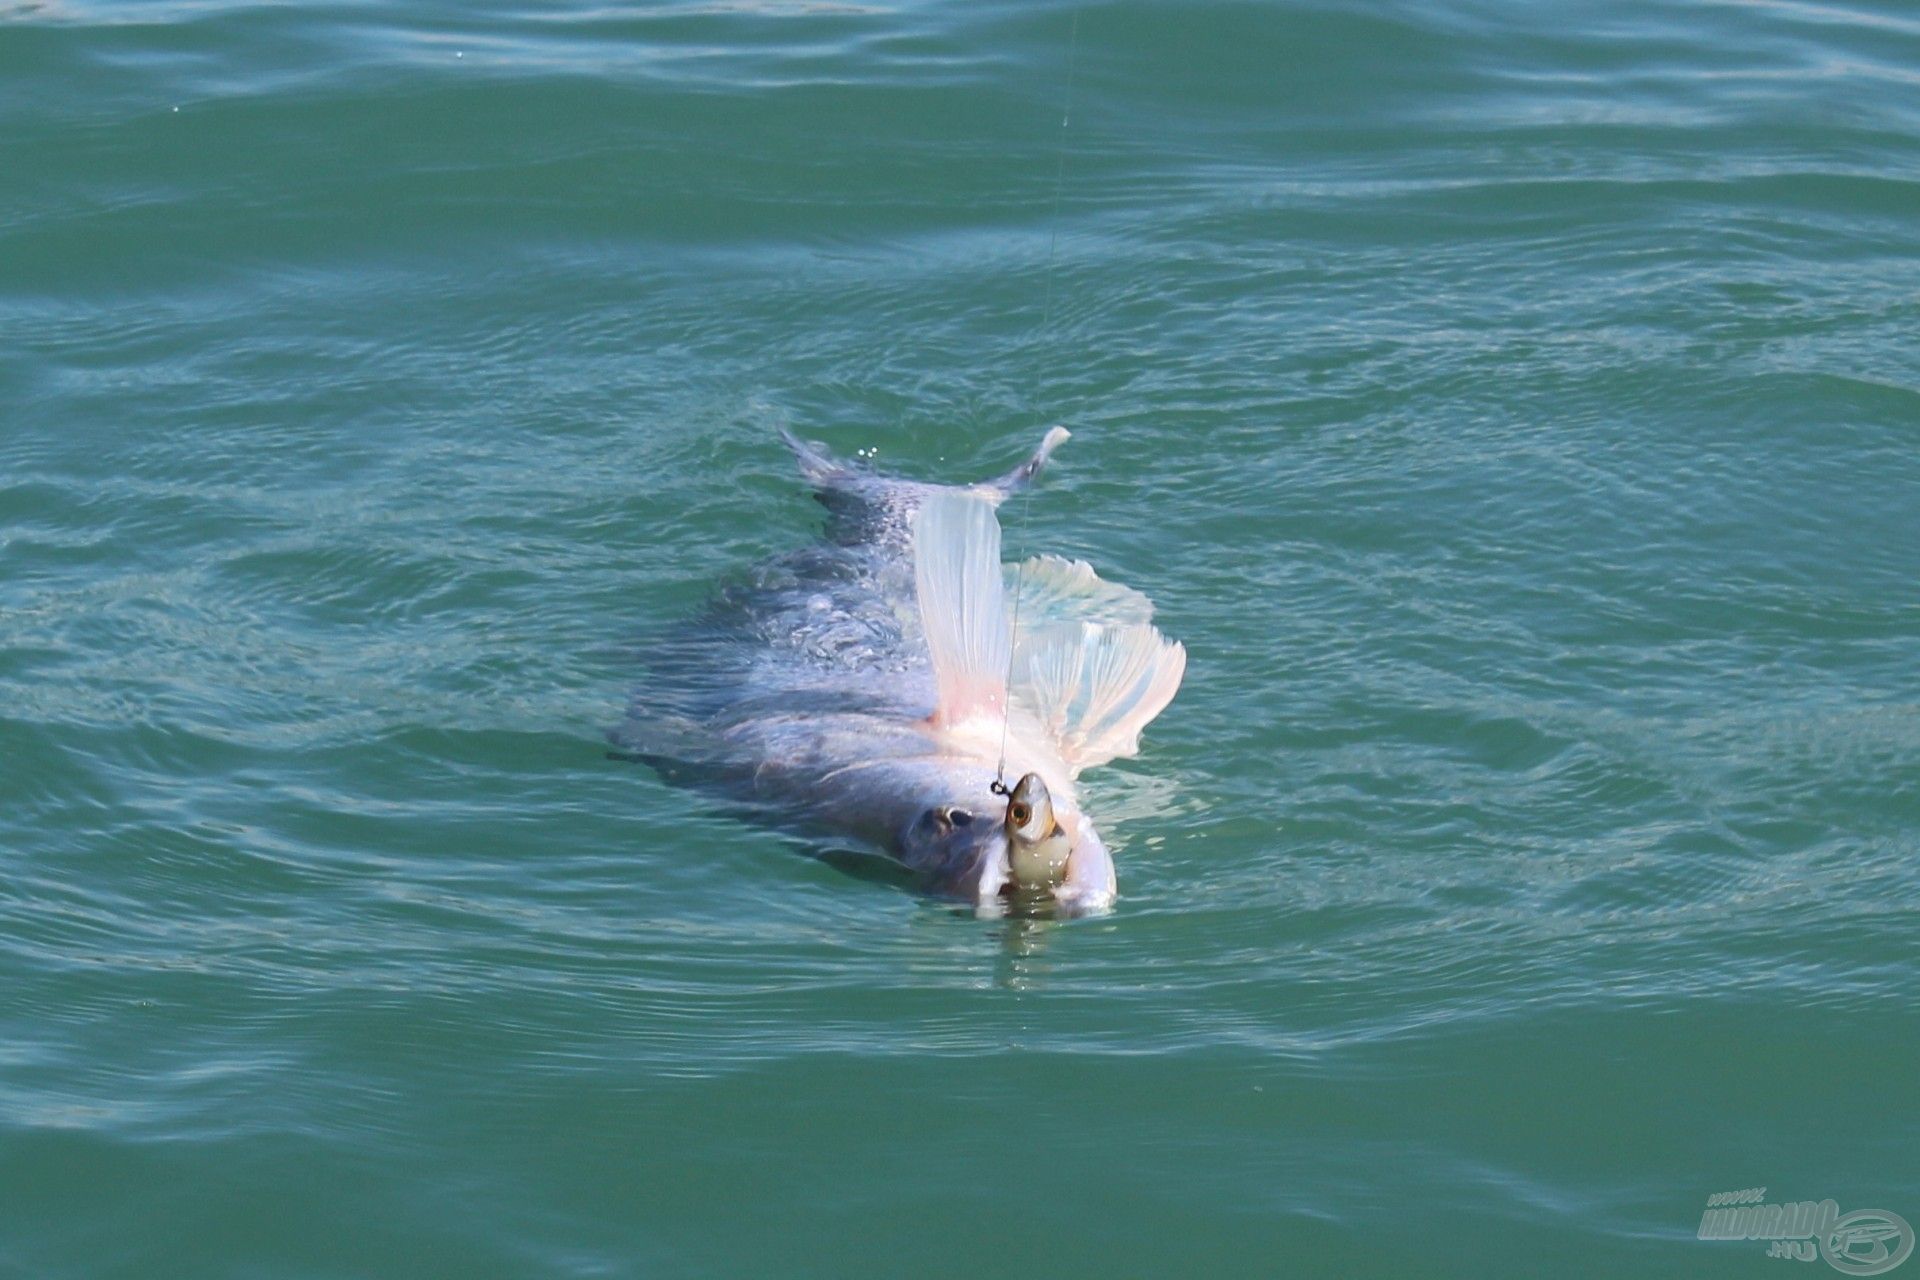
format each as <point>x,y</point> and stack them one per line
<point>1087,663</point>
<point>962,603</point>
<point>1094,687</point>
<point>1055,589</point>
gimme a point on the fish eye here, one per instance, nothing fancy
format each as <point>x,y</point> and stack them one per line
<point>960,817</point>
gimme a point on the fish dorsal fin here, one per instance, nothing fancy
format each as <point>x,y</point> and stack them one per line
<point>1095,685</point>
<point>956,573</point>
<point>1053,589</point>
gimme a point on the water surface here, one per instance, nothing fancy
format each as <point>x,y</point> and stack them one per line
<point>1512,406</point>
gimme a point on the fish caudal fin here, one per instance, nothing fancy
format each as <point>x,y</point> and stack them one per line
<point>1021,476</point>
<point>827,473</point>
<point>817,466</point>
<point>957,582</point>
<point>1096,685</point>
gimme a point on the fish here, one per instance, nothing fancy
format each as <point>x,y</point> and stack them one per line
<point>881,687</point>
<point>1038,850</point>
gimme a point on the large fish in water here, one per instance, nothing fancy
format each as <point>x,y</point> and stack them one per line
<point>872,688</point>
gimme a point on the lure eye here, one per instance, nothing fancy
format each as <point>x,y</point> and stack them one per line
<point>1019,813</point>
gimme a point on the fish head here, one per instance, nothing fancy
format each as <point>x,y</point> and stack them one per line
<point>977,840</point>
<point>955,835</point>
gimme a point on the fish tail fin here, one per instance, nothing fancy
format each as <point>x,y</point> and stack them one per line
<point>1096,685</point>
<point>824,471</point>
<point>958,585</point>
<point>1021,476</point>
<point>818,467</point>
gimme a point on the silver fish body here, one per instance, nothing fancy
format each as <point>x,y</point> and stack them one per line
<point>809,691</point>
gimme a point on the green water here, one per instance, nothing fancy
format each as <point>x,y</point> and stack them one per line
<point>1514,407</point>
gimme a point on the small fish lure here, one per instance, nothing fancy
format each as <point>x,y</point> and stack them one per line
<point>1037,845</point>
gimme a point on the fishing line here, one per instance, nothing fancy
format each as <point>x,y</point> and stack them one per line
<point>999,786</point>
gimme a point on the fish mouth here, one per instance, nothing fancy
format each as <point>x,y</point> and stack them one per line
<point>1037,846</point>
<point>1080,883</point>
